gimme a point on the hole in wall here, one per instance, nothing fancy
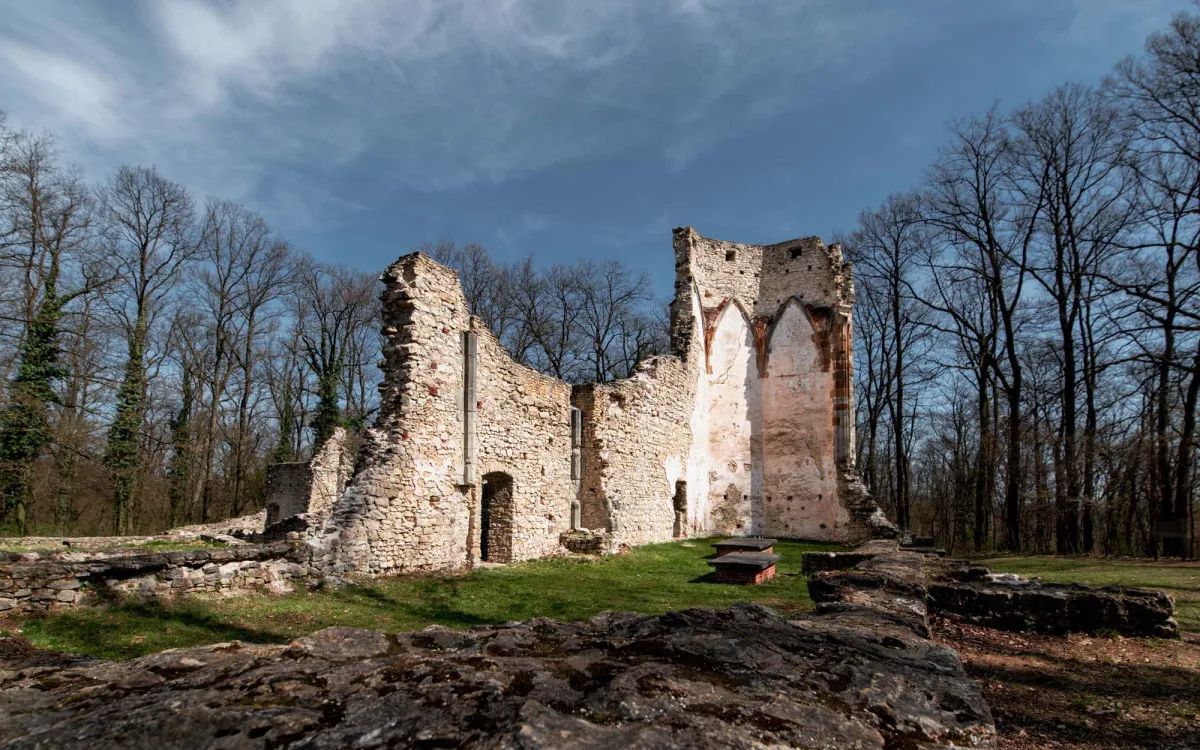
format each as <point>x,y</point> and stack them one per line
<point>796,252</point>
<point>731,255</point>
<point>810,268</point>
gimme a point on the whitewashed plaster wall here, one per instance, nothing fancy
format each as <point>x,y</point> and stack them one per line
<point>799,472</point>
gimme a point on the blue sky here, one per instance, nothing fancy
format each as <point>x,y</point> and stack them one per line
<point>559,128</point>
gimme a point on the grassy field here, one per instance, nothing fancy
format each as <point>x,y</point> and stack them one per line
<point>651,579</point>
<point>1180,580</point>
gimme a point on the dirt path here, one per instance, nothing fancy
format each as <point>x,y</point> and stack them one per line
<point>1095,693</point>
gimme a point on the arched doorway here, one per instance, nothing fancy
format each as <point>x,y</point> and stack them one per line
<point>496,518</point>
<point>679,502</point>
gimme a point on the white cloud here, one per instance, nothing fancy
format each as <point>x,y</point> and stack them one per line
<point>279,101</point>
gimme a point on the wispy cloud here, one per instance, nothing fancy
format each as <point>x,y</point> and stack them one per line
<point>444,92</point>
<point>277,102</point>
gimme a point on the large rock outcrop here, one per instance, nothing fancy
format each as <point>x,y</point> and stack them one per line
<point>701,678</point>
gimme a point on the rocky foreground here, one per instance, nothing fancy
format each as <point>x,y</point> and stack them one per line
<point>736,678</point>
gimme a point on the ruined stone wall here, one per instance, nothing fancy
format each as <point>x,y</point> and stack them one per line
<point>523,430</point>
<point>415,501</point>
<point>39,584</point>
<point>738,431</point>
<point>774,415</point>
<point>310,487</point>
<point>403,510</point>
<point>636,446</point>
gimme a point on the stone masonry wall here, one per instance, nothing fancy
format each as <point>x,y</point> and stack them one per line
<point>771,325</point>
<point>392,517</point>
<point>523,429</point>
<point>34,585</point>
<point>635,449</point>
<point>309,487</point>
<point>410,506</point>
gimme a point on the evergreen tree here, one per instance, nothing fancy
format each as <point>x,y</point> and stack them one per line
<point>25,428</point>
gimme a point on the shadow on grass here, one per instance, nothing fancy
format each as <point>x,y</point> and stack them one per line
<point>435,602</point>
<point>1064,695</point>
<point>106,631</point>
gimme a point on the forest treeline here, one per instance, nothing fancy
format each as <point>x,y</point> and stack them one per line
<point>1028,321</point>
<point>157,353</point>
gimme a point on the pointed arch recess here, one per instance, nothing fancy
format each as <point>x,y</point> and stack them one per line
<point>712,319</point>
<point>822,320</point>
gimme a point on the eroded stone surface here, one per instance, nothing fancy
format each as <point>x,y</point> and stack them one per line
<point>736,678</point>
<point>1056,609</point>
<point>882,576</point>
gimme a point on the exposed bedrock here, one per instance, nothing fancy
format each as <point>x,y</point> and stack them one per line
<point>876,573</point>
<point>1014,603</point>
<point>734,678</point>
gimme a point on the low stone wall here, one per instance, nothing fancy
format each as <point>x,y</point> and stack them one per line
<point>35,585</point>
<point>586,541</point>
<point>973,593</point>
<point>1056,609</point>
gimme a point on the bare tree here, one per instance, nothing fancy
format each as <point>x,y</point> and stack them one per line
<point>1072,152</point>
<point>1162,95</point>
<point>47,230</point>
<point>972,205</point>
<point>333,303</point>
<point>150,237</point>
<point>887,248</point>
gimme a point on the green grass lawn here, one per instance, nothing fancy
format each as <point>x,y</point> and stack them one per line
<point>651,579</point>
<point>1180,580</point>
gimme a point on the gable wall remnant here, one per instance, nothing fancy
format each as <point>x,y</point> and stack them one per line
<point>744,428</point>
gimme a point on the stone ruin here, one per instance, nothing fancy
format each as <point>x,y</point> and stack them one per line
<point>745,428</point>
<point>301,494</point>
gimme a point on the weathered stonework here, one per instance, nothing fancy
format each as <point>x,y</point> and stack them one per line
<point>742,677</point>
<point>36,583</point>
<point>744,429</point>
<point>309,488</point>
<point>464,432</point>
